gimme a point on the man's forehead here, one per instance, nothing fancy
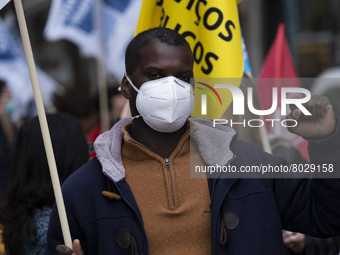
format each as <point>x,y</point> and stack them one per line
<point>160,52</point>
<point>155,45</point>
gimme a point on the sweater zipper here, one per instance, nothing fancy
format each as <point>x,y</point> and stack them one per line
<point>167,165</point>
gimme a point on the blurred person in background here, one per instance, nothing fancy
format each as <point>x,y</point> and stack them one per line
<point>327,84</point>
<point>116,106</point>
<point>25,214</point>
<point>334,96</point>
<point>79,104</point>
<point>294,243</point>
<point>281,146</point>
<point>7,135</point>
<point>85,108</point>
<point>116,103</point>
<point>299,244</point>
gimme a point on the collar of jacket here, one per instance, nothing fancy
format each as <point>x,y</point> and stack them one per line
<point>213,144</point>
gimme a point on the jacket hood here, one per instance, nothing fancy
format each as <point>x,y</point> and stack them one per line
<point>213,144</point>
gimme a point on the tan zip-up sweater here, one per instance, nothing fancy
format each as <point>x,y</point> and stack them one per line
<point>174,207</point>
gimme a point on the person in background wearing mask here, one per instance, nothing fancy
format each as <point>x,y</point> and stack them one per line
<point>137,196</point>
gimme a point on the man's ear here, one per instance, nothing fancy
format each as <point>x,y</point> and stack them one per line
<point>125,88</point>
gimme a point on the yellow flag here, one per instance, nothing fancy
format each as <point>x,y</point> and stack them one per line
<point>213,32</point>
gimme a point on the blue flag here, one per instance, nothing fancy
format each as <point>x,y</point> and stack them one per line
<point>14,71</point>
<point>8,51</point>
<point>99,28</point>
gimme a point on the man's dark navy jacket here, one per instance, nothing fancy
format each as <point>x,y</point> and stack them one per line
<point>253,210</point>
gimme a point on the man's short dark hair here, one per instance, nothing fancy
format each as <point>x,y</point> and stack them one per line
<point>164,35</point>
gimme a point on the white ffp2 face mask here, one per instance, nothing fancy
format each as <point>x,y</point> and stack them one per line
<point>165,104</point>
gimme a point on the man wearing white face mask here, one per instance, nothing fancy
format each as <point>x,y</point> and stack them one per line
<point>138,197</point>
<point>164,104</point>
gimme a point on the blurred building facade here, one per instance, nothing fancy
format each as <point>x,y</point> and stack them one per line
<point>312,30</point>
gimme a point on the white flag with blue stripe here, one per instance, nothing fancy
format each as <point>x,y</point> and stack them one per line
<point>14,71</point>
<point>76,21</point>
<point>73,20</point>
<point>3,3</point>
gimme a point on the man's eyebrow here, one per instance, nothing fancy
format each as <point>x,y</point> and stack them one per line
<point>154,68</point>
<point>187,71</point>
<point>162,70</point>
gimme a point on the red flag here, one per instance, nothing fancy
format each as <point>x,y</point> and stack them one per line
<point>279,64</point>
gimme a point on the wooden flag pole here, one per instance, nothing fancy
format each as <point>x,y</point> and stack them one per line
<point>263,132</point>
<point>103,97</point>
<point>101,75</point>
<point>43,122</point>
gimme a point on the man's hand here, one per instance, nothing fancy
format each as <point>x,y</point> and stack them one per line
<point>64,250</point>
<point>320,125</point>
<point>294,241</point>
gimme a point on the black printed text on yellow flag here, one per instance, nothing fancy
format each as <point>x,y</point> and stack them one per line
<point>212,29</point>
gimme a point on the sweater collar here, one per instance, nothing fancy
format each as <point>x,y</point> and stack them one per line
<point>132,149</point>
<point>213,144</point>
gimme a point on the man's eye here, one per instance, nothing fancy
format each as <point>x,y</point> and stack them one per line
<point>185,78</point>
<point>155,76</point>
